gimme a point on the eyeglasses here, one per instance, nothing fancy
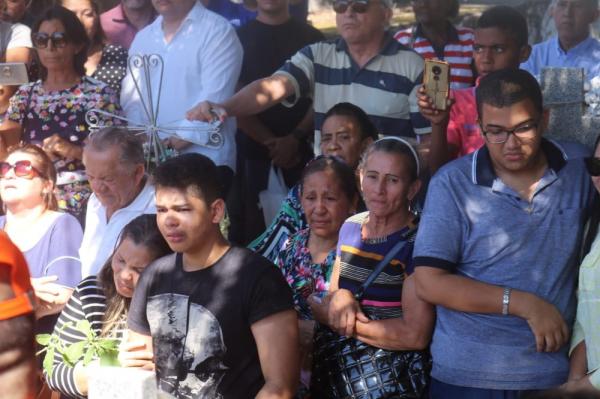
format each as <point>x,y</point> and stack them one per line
<point>357,6</point>
<point>592,165</point>
<point>41,39</point>
<point>22,169</point>
<point>499,135</point>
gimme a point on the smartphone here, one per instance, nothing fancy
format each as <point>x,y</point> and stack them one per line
<point>436,80</point>
<point>13,74</point>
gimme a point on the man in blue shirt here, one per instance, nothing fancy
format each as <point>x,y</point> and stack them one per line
<point>573,47</point>
<point>496,251</point>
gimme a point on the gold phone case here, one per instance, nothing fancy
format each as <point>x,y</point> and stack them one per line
<point>437,82</point>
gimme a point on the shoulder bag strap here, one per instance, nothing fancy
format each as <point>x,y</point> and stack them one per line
<point>383,263</point>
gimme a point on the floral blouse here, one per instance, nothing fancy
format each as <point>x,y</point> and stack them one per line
<point>43,114</point>
<point>302,275</point>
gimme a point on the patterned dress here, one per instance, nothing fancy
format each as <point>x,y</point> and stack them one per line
<point>288,221</point>
<point>301,273</point>
<point>43,113</point>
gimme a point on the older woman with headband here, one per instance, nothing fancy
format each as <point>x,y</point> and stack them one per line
<point>389,315</point>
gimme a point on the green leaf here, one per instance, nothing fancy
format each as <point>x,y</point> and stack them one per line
<point>48,361</point>
<point>89,356</point>
<point>43,339</point>
<point>108,344</point>
<point>74,352</point>
<point>85,327</point>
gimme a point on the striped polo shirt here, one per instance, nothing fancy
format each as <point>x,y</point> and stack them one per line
<point>385,88</point>
<point>458,52</point>
<point>359,257</point>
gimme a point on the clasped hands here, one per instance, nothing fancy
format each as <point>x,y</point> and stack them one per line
<point>339,310</point>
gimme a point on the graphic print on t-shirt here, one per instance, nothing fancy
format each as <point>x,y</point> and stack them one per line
<point>189,347</point>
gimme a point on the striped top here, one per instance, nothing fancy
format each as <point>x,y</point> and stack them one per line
<point>385,88</point>
<point>358,258</point>
<point>458,52</point>
<point>87,302</point>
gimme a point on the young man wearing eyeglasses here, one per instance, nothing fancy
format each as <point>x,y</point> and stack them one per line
<point>365,66</point>
<point>500,41</point>
<point>497,251</point>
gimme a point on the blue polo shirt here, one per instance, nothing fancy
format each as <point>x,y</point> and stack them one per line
<point>585,55</point>
<point>476,226</point>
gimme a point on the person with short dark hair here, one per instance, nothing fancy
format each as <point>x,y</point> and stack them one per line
<point>435,37</point>
<point>218,319</point>
<point>115,166</point>
<point>17,346</point>
<point>277,137</point>
<point>500,41</point>
<point>497,250</point>
<point>127,18</point>
<point>573,46</point>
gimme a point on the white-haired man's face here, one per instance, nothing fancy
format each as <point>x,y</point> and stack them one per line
<point>114,182</point>
<point>363,27</point>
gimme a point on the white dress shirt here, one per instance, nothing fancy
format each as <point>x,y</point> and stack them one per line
<point>201,62</point>
<point>100,235</point>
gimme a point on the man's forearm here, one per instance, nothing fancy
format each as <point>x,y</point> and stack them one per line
<point>464,294</point>
<point>259,96</point>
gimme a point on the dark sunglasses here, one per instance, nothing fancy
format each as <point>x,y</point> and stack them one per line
<point>358,6</point>
<point>593,166</point>
<point>41,39</point>
<point>22,169</point>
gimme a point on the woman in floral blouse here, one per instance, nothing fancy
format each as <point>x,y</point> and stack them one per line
<point>51,112</point>
<point>328,195</point>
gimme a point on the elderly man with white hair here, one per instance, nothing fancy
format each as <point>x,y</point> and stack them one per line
<point>364,66</point>
<point>114,163</point>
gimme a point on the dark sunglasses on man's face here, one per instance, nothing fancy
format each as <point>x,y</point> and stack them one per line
<point>41,39</point>
<point>592,165</point>
<point>22,169</point>
<point>358,6</point>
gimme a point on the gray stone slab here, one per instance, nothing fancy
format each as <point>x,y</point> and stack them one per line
<point>120,383</point>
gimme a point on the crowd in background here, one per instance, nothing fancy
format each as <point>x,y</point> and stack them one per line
<point>346,236</point>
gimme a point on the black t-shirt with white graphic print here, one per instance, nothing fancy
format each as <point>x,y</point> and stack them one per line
<point>200,322</point>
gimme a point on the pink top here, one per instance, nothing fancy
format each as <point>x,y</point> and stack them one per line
<point>463,130</point>
<point>117,28</point>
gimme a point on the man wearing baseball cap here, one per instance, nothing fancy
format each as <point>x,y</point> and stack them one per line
<point>17,349</point>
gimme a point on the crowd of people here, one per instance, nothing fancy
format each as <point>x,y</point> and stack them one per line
<point>411,252</point>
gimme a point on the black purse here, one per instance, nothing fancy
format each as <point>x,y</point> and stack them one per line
<point>344,367</point>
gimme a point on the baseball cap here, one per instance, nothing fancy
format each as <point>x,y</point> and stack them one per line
<point>22,303</point>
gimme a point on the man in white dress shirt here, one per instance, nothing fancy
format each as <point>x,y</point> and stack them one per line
<point>114,163</point>
<point>202,60</point>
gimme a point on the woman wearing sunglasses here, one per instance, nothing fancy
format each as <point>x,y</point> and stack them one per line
<point>585,341</point>
<point>49,239</point>
<point>51,112</point>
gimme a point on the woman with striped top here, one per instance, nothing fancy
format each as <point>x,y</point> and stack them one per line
<point>103,300</point>
<point>398,319</point>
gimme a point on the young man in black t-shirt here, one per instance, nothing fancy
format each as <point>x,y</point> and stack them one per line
<point>217,321</point>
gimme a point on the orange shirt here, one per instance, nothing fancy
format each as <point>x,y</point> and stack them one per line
<point>22,303</point>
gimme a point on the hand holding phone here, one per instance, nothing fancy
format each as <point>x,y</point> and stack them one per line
<point>436,81</point>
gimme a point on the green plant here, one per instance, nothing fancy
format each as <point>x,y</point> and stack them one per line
<point>90,348</point>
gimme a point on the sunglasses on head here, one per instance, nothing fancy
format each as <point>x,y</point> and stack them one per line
<point>592,165</point>
<point>41,39</point>
<point>22,169</point>
<point>358,6</point>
